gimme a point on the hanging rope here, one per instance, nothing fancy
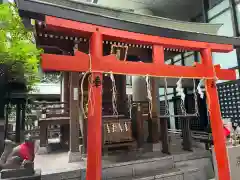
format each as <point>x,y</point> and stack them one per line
<point>126,126</point>
<point>195,98</point>
<point>82,95</point>
<point>130,106</point>
<point>118,51</point>
<point>149,95</point>
<point>114,95</point>
<point>215,78</point>
<point>91,101</point>
<point>180,91</point>
<point>167,113</point>
<point>108,129</point>
<point>90,92</point>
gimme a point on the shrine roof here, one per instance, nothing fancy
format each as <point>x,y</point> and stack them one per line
<point>123,20</point>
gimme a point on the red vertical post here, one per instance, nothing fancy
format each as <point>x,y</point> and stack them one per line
<point>216,121</point>
<point>158,60</point>
<point>158,54</point>
<point>94,132</point>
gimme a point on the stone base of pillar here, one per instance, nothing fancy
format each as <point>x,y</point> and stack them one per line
<point>43,150</point>
<point>154,135</point>
<point>74,157</point>
<point>156,147</point>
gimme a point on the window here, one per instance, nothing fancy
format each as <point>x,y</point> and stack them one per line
<point>225,30</point>
<point>213,3</point>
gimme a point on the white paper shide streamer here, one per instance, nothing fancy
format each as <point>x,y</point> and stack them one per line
<point>114,95</point>
<point>199,89</point>
<point>149,95</point>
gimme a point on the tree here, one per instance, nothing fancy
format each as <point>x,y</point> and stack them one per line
<point>17,47</point>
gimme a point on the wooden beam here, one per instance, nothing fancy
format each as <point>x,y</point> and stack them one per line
<point>225,74</point>
<point>81,63</point>
<point>77,63</point>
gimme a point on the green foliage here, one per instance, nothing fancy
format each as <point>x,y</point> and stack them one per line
<point>17,48</point>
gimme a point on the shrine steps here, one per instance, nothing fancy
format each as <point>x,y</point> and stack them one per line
<point>186,166</point>
<point>173,174</point>
<point>159,169</point>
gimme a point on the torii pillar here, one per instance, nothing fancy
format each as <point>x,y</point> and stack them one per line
<point>94,128</point>
<point>215,119</point>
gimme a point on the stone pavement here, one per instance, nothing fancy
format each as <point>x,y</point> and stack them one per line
<point>180,164</point>
<point>55,166</point>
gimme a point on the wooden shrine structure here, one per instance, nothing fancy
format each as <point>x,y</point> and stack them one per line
<point>97,29</point>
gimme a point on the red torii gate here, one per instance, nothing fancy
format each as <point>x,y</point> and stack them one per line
<point>99,64</point>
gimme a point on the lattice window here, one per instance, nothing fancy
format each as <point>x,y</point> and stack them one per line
<point>229,99</point>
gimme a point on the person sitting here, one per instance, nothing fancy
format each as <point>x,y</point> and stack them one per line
<point>15,157</point>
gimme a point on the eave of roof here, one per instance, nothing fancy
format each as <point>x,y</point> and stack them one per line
<point>38,9</point>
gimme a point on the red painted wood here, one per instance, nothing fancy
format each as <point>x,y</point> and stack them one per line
<point>69,26</point>
<point>225,74</point>
<point>158,55</point>
<point>80,62</point>
<point>94,133</point>
<point>216,121</point>
<point>110,63</point>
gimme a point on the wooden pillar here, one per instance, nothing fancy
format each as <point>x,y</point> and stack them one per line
<point>185,123</point>
<point>186,133</point>
<point>64,129</point>
<point>43,134</point>
<point>158,59</point>
<point>74,114</point>
<point>66,88</point>
<point>121,88</point>
<point>61,87</point>
<point>23,119</point>
<point>216,122</point>
<point>122,99</point>
<point>138,124</point>
<point>164,135</point>
<point>18,123</point>
<point>154,120</point>
<point>6,128</point>
<point>23,116</point>
<point>94,137</point>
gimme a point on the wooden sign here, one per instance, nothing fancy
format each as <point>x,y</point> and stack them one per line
<point>117,131</point>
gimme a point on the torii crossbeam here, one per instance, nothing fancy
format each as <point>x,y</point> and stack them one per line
<point>99,64</point>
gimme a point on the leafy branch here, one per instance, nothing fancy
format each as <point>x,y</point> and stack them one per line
<point>17,49</point>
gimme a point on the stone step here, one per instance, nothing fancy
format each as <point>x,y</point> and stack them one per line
<point>182,166</point>
<point>173,174</point>
<point>20,174</point>
<point>137,168</point>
